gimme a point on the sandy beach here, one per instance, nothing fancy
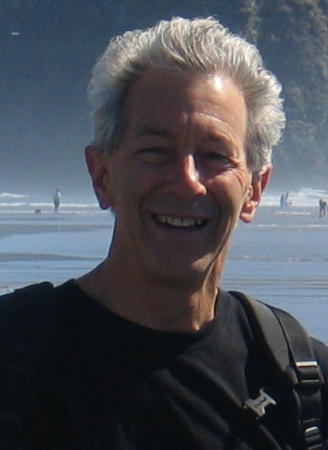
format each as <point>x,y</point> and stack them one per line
<point>38,247</point>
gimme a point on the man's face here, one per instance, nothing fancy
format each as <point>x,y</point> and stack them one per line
<point>179,181</point>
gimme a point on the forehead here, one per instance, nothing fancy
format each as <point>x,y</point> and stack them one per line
<point>164,102</point>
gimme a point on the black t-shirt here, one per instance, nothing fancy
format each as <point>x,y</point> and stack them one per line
<point>117,385</point>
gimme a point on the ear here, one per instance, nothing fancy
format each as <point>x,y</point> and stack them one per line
<point>254,195</point>
<point>98,167</point>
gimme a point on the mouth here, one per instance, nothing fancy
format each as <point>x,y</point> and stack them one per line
<point>176,222</point>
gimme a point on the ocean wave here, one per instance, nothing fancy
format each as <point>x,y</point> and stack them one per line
<point>9,195</point>
<point>305,197</point>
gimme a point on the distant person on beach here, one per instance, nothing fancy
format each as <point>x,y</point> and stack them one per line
<point>148,351</point>
<point>284,200</point>
<point>56,199</point>
<point>322,207</point>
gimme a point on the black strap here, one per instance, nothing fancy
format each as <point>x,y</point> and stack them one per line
<point>290,346</point>
<point>28,322</point>
<point>308,379</point>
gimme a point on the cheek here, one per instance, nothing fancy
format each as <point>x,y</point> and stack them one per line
<point>233,184</point>
<point>230,190</point>
<point>242,184</point>
<point>130,186</point>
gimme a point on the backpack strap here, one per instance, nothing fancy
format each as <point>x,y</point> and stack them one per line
<point>28,330</point>
<point>306,377</point>
<point>290,347</point>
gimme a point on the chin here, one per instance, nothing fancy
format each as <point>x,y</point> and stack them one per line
<point>193,273</point>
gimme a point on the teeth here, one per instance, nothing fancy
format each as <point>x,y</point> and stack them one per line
<point>176,222</point>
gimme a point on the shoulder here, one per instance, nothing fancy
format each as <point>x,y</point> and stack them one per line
<point>36,293</point>
<point>28,312</point>
<point>283,333</point>
<point>23,297</point>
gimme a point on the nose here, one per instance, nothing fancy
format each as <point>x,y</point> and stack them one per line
<point>185,180</point>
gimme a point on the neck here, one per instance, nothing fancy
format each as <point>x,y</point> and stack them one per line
<point>176,306</point>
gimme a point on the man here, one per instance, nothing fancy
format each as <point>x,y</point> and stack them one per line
<point>151,353</point>
<point>322,207</point>
<point>56,197</point>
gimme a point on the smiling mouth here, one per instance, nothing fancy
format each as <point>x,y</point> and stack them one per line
<point>176,222</point>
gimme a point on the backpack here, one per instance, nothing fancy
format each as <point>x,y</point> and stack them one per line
<point>28,327</point>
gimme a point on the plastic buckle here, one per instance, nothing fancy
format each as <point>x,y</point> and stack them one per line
<point>308,372</point>
<point>259,404</point>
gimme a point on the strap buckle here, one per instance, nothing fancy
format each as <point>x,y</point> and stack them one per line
<point>308,373</point>
<point>258,405</point>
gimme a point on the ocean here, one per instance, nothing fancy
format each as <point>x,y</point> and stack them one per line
<point>281,258</point>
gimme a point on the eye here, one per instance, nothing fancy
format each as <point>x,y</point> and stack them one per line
<point>155,155</point>
<point>215,158</point>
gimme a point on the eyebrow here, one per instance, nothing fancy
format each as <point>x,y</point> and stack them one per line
<point>153,131</point>
<point>158,131</point>
<point>213,137</point>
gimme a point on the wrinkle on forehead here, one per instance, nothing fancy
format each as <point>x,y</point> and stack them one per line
<point>159,104</point>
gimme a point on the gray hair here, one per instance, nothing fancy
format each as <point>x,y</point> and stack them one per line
<point>198,46</point>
